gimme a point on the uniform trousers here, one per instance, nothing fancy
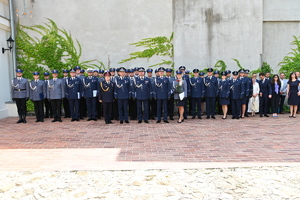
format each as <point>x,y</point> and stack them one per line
<point>107,110</point>
<point>74,108</point>
<point>56,108</point>
<point>236,105</point>
<point>48,107</point>
<point>132,109</point>
<point>210,106</point>
<point>115,110</point>
<point>196,103</point>
<point>99,109</point>
<point>66,107</point>
<point>91,104</point>
<point>142,105</point>
<point>263,104</point>
<point>171,107</point>
<point>162,103</point>
<point>39,109</point>
<point>83,108</point>
<point>123,109</point>
<point>21,106</point>
<point>152,108</point>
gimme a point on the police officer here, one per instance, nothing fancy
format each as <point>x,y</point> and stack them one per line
<point>197,93</point>
<point>218,107</point>
<point>186,77</point>
<point>65,100</point>
<point>82,104</point>
<point>211,91</point>
<point>106,97</point>
<point>162,93</point>
<point>224,94</point>
<point>142,89</point>
<point>152,102</point>
<point>245,98</point>
<point>100,75</point>
<point>55,93</point>
<point>99,104</point>
<point>115,114</point>
<point>90,93</point>
<point>250,85</point>
<point>73,90</point>
<point>132,99</point>
<point>237,92</point>
<point>171,100</point>
<point>201,75</point>
<point>48,112</point>
<point>37,94</point>
<point>122,91</point>
<point>20,94</point>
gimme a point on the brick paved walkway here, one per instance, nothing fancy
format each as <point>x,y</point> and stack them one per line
<point>246,140</point>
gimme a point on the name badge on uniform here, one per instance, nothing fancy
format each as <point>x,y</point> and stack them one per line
<point>95,93</point>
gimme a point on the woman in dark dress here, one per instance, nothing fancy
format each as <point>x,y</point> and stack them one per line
<point>224,93</point>
<point>292,94</point>
<point>275,87</point>
<point>180,93</point>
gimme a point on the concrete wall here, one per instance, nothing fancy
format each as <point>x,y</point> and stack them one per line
<point>210,30</point>
<point>105,27</point>
<point>5,59</point>
<point>281,22</point>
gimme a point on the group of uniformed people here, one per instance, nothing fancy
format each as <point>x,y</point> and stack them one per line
<point>132,93</point>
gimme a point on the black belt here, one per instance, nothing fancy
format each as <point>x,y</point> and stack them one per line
<point>20,89</point>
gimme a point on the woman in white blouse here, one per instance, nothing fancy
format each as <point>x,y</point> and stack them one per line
<point>253,105</point>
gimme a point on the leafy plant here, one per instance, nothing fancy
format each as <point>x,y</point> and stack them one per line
<point>264,68</point>
<point>291,62</point>
<point>47,47</point>
<point>157,46</point>
<point>220,64</point>
<point>238,63</point>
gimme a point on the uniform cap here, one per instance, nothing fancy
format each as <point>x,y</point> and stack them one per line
<point>101,71</point>
<point>161,69</point>
<point>149,70</point>
<point>228,72</point>
<point>36,73</point>
<point>247,71</point>
<point>235,73</point>
<point>46,74</point>
<point>77,67</point>
<point>241,71</point>
<point>128,70</point>
<point>122,69</point>
<point>72,71</point>
<point>224,74</point>
<point>54,71</point>
<point>216,72</point>
<point>181,68</point>
<point>82,71</point>
<point>169,70</point>
<point>141,69</point>
<point>196,71</point>
<point>187,72</point>
<point>178,72</point>
<point>65,71</point>
<point>90,70</point>
<point>19,70</point>
<point>201,74</point>
<point>96,70</point>
<point>112,69</point>
<point>156,70</point>
<point>210,69</point>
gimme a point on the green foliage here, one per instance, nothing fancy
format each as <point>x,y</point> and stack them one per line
<point>291,62</point>
<point>157,46</point>
<point>238,63</point>
<point>47,47</point>
<point>264,68</point>
<point>220,64</point>
<point>30,106</point>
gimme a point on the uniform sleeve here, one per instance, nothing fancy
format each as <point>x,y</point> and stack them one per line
<point>30,94</point>
<point>269,88</point>
<point>169,89</point>
<point>185,88</point>
<point>62,90</point>
<point>202,88</point>
<point>99,91</point>
<point>115,91</point>
<point>242,90</point>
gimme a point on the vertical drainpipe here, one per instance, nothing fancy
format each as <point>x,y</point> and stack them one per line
<point>12,31</point>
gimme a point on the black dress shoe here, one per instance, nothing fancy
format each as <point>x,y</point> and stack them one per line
<point>199,117</point>
<point>126,121</point>
<point>146,121</point>
<point>59,120</point>
<point>77,120</point>
<point>37,120</point>
<point>166,121</point>
<point>233,118</point>
<point>54,120</point>
<point>121,122</point>
<point>246,115</point>
<point>237,117</point>
<point>171,118</point>
<point>158,121</point>
<point>89,119</point>
<point>185,117</point>
<point>72,120</point>
<point>213,117</point>
<point>193,117</point>
<point>110,122</point>
<point>140,121</point>
<point>266,115</point>
<point>95,119</point>
<point>41,120</point>
<point>207,117</point>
